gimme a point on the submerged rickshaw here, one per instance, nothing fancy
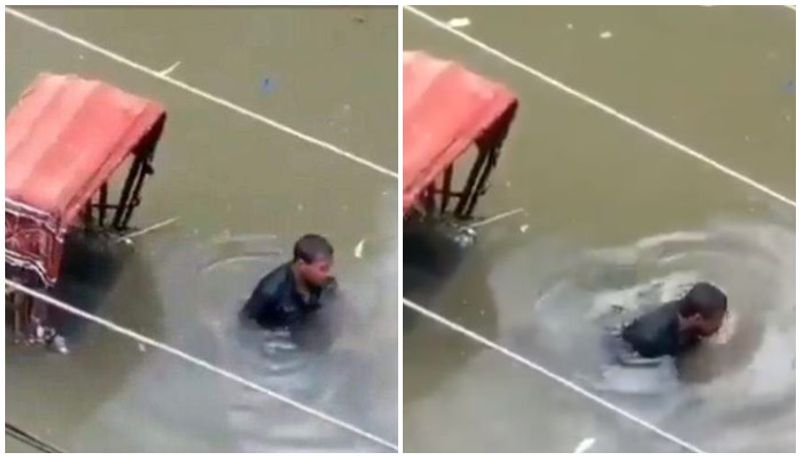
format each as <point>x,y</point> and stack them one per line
<point>449,113</point>
<point>65,139</point>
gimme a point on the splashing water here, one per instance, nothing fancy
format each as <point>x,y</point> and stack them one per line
<point>748,368</point>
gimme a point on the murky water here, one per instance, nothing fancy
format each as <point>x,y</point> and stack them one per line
<point>559,316</point>
<point>614,222</point>
<point>746,260</point>
<point>243,193</point>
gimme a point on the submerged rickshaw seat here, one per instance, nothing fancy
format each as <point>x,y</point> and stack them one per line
<point>445,109</point>
<point>64,139</point>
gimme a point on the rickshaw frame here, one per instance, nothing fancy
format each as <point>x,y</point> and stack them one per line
<point>37,264</point>
<point>476,111</point>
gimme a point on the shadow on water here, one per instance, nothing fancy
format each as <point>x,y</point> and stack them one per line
<point>93,267</point>
<point>104,278</point>
<point>432,255</point>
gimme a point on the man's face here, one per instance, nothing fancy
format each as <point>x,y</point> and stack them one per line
<point>706,327</point>
<point>317,273</point>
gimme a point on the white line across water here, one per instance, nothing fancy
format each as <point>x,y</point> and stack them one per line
<point>553,376</point>
<point>603,107</point>
<point>164,76</point>
<point>201,93</point>
<point>201,363</point>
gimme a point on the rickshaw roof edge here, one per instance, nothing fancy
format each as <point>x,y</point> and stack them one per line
<point>67,135</point>
<point>446,107</point>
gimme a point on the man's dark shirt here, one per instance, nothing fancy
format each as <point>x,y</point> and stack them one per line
<point>657,333</point>
<point>277,302</point>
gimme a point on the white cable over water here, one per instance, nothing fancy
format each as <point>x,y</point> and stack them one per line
<point>602,106</point>
<point>201,93</point>
<point>496,217</point>
<point>201,363</point>
<point>555,377</point>
<point>129,237</point>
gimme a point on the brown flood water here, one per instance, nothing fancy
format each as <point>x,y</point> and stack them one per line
<point>244,192</point>
<point>614,218</point>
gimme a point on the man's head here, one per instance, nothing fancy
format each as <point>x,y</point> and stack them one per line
<point>703,309</point>
<point>313,257</point>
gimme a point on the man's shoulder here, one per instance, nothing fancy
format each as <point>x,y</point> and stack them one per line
<point>652,331</point>
<point>660,315</point>
<point>275,280</point>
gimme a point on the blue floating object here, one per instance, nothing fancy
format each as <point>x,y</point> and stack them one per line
<point>267,85</point>
<point>789,87</point>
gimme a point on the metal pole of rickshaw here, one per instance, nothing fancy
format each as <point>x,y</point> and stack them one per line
<point>126,191</point>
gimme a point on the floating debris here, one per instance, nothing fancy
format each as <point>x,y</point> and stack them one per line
<point>59,344</point>
<point>570,26</point>
<point>81,57</point>
<point>508,183</point>
<point>584,445</point>
<point>300,207</point>
<point>465,237</point>
<point>359,19</point>
<point>606,35</point>
<point>746,138</point>
<point>267,85</point>
<point>170,69</point>
<point>359,250</point>
<point>524,228</point>
<point>458,22</point>
<point>142,347</point>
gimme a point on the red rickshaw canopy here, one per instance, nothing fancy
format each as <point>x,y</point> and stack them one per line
<point>445,109</point>
<point>64,139</point>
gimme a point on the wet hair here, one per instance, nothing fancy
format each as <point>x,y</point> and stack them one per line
<point>311,247</point>
<point>703,299</point>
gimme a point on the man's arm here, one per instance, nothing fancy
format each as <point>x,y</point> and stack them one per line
<point>255,305</point>
<point>264,303</point>
<point>642,339</point>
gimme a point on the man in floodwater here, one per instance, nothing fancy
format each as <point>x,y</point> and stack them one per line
<point>294,290</point>
<point>676,327</point>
